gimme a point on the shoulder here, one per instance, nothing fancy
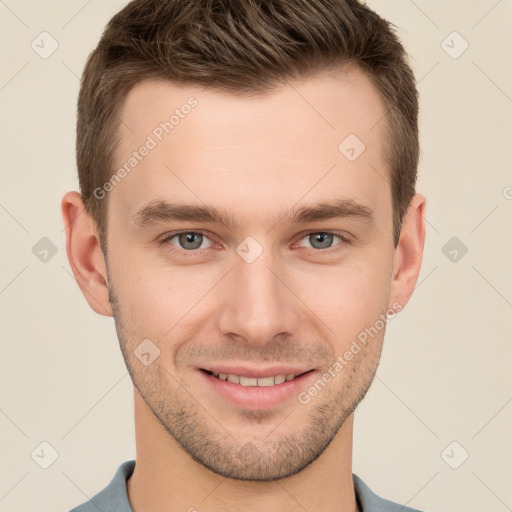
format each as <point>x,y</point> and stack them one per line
<point>113,498</point>
<point>370,502</point>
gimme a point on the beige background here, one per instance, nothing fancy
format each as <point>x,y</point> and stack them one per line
<point>445,369</point>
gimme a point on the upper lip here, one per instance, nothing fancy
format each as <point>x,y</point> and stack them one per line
<point>259,371</point>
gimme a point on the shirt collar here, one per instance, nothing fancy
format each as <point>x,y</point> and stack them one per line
<point>115,497</point>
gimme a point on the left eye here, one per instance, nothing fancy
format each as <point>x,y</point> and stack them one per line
<point>193,240</point>
<point>322,239</point>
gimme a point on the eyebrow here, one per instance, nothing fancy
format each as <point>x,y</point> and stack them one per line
<point>161,211</point>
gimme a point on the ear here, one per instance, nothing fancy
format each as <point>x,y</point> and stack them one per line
<point>84,253</point>
<point>409,252</point>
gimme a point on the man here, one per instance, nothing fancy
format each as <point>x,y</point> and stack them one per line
<point>248,216</point>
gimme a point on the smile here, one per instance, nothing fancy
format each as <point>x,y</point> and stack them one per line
<point>255,381</point>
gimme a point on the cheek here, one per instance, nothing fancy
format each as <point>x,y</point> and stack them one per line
<point>347,298</point>
<point>158,300</point>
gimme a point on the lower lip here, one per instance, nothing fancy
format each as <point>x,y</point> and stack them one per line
<point>258,397</point>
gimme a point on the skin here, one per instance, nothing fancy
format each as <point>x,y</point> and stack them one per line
<point>296,303</point>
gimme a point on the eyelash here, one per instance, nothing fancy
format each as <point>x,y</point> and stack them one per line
<point>330,250</point>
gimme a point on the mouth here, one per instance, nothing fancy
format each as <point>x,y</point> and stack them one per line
<point>255,386</point>
<point>267,381</point>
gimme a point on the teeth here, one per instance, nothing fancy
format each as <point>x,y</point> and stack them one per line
<point>265,381</point>
<point>279,379</point>
<point>248,381</point>
<point>253,381</point>
<point>233,378</point>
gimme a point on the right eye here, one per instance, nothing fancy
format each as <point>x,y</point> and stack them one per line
<point>188,241</point>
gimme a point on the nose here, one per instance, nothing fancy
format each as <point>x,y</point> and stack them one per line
<point>259,303</point>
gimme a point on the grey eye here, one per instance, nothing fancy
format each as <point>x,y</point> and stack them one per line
<point>190,240</point>
<point>321,240</point>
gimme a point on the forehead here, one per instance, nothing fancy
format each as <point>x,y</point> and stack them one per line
<point>205,145</point>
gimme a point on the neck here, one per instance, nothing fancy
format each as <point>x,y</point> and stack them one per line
<point>167,478</point>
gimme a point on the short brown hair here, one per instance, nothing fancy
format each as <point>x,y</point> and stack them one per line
<point>244,47</point>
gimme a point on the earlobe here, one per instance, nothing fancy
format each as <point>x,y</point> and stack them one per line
<point>409,252</point>
<point>84,253</point>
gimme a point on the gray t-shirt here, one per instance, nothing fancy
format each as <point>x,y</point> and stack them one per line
<point>115,499</point>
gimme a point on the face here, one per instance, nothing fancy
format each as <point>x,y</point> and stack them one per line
<point>288,283</point>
